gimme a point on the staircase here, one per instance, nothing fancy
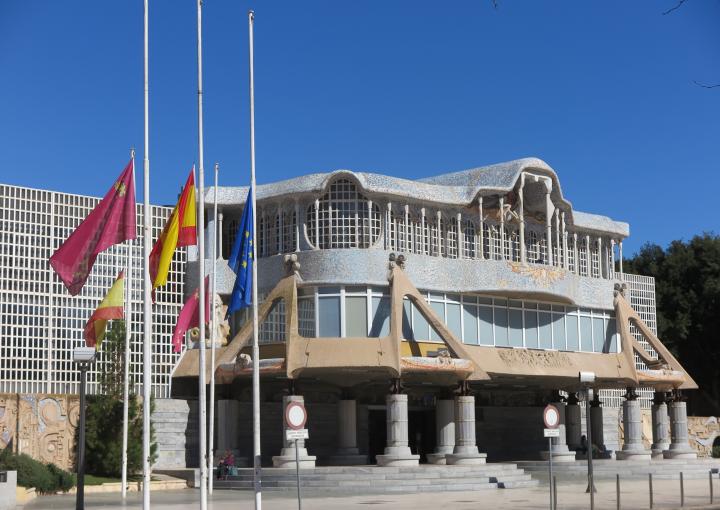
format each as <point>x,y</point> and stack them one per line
<point>374,479</point>
<point>661,469</point>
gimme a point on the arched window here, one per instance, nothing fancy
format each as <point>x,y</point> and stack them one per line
<point>344,219</point>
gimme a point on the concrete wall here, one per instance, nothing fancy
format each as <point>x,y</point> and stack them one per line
<point>7,491</point>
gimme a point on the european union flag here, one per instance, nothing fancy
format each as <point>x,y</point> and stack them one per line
<point>242,258</point>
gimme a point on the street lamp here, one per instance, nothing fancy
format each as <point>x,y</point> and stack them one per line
<point>83,356</point>
<point>587,379</point>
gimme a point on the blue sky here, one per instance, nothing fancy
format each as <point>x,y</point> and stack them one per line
<point>602,91</point>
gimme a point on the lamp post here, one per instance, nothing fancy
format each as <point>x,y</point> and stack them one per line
<point>83,356</point>
<point>587,379</point>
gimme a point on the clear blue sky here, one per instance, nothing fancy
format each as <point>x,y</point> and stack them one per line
<point>602,91</point>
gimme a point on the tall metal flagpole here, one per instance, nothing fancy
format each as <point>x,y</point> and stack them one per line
<point>255,347</point>
<point>147,308</point>
<point>213,330</point>
<point>128,332</point>
<point>201,265</point>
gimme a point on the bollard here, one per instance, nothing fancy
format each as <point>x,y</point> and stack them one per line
<point>711,487</point>
<point>617,490</point>
<point>554,482</point>
<point>682,490</point>
<point>650,484</point>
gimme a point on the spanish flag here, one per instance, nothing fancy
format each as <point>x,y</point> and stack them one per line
<point>180,230</point>
<point>112,307</point>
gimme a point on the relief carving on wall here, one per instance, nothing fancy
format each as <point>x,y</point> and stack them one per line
<point>541,275</point>
<point>703,431</point>
<point>535,359</point>
<point>41,426</point>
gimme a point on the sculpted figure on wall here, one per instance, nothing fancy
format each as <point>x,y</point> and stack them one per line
<point>222,327</point>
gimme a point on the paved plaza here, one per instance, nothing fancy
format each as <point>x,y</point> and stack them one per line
<point>634,495</point>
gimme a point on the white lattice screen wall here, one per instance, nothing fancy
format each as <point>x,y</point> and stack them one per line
<point>641,291</point>
<point>41,323</point>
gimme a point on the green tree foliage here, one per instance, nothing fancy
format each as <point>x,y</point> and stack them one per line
<point>104,415</point>
<point>687,284</point>
<point>45,478</point>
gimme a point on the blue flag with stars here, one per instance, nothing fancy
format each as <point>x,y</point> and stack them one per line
<point>242,257</point>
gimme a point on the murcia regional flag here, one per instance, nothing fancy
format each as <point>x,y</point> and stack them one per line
<point>112,307</point>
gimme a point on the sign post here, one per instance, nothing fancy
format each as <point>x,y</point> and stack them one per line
<point>295,419</point>
<point>551,418</point>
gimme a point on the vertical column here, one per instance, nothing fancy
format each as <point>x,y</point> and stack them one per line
<point>573,425</point>
<point>228,414</point>
<point>560,451</point>
<point>423,238</point>
<point>679,438</point>
<point>588,258</point>
<point>220,235</point>
<point>439,234</point>
<point>548,222</point>
<point>347,453</point>
<point>445,431</point>
<point>521,198</point>
<point>481,223</point>
<point>280,231</point>
<point>388,240</point>
<point>602,260</point>
<point>369,224</point>
<point>558,256</point>
<point>598,433</point>
<point>317,224</point>
<point>502,228</point>
<point>622,277</point>
<point>564,241</point>
<point>611,274</point>
<point>407,229</point>
<point>460,238</point>
<point>297,225</point>
<point>576,253</point>
<point>466,450</point>
<point>286,459</point>
<point>633,447</point>
<point>660,425</point>
<point>397,451</point>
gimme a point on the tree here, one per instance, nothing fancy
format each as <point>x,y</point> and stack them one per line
<point>104,419</point>
<point>687,285</point>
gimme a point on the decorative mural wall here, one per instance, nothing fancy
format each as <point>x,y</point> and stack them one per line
<point>41,426</point>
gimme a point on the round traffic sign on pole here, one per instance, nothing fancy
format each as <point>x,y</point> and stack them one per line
<point>295,415</point>
<point>551,417</point>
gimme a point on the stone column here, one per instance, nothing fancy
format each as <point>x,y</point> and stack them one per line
<point>560,451</point>
<point>286,459</point>
<point>228,418</point>
<point>598,432</point>
<point>445,427</point>
<point>660,425</point>
<point>573,424</point>
<point>466,450</point>
<point>679,440</point>
<point>397,451</point>
<point>633,447</point>
<point>347,453</point>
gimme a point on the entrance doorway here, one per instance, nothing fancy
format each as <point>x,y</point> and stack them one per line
<point>421,432</point>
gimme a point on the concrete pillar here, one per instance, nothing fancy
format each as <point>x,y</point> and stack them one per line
<point>660,425</point>
<point>286,459</point>
<point>445,431</point>
<point>226,425</point>
<point>633,447</point>
<point>560,451</point>
<point>679,440</point>
<point>573,424</point>
<point>596,425</point>
<point>347,453</point>
<point>465,450</point>
<point>397,451</point>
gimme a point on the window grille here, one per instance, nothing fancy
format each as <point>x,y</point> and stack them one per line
<point>571,254</point>
<point>533,247</point>
<point>451,239</point>
<point>469,240</point>
<point>582,256</point>
<point>595,259</point>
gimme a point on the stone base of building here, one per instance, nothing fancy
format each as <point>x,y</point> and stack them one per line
<point>680,454</point>
<point>633,455</point>
<point>465,459</point>
<point>347,460</point>
<point>397,460</point>
<point>657,453</point>
<point>436,458</point>
<point>558,456</point>
<point>598,455</point>
<point>286,459</point>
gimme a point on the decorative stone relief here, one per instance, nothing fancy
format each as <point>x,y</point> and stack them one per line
<point>703,431</point>
<point>544,359</point>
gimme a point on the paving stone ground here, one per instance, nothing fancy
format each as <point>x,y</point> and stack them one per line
<point>571,496</point>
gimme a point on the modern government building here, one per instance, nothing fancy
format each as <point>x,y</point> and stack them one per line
<point>420,321</point>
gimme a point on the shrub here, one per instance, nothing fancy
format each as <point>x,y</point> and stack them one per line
<point>45,478</point>
<point>716,451</point>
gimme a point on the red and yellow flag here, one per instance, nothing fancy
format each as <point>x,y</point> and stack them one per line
<point>112,307</point>
<point>180,230</point>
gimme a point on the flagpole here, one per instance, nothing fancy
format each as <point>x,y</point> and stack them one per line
<point>128,332</point>
<point>201,265</point>
<point>255,347</point>
<point>147,310</point>
<point>213,331</point>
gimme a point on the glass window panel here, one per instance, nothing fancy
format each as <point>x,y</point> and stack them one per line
<point>516,304</point>
<point>329,290</point>
<point>598,334</point>
<point>356,316</point>
<point>380,317</point>
<point>437,297</point>
<point>329,316</point>
<point>406,324</point>
<point>501,327</point>
<point>355,290</point>
<point>306,317</point>
<point>380,290</point>
<point>531,332</point>
<point>543,306</point>
<point>545,330</point>
<point>420,325</point>
<point>453,297</point>
<point>470,299</point>
<point>558,308</point>
<point>470,333</point>
<point>610,336</point>
<point>439,309</point>
<point>573,340</point>
<point>500,302</point>
<point>485,301</point>
<point>485,314</point>
<point>586,334</point>
<point>516,328</point>
<point>453,320</point>
<point>559,332</point>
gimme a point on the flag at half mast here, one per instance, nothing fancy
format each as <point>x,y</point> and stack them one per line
<point>110,308</point>
<point>180,230</point>
<point>111,222</point>
<point>190,316</point>
<point>242,257</point>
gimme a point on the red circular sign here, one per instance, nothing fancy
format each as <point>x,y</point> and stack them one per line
<point>295,415</point>
<point>551,417</point>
